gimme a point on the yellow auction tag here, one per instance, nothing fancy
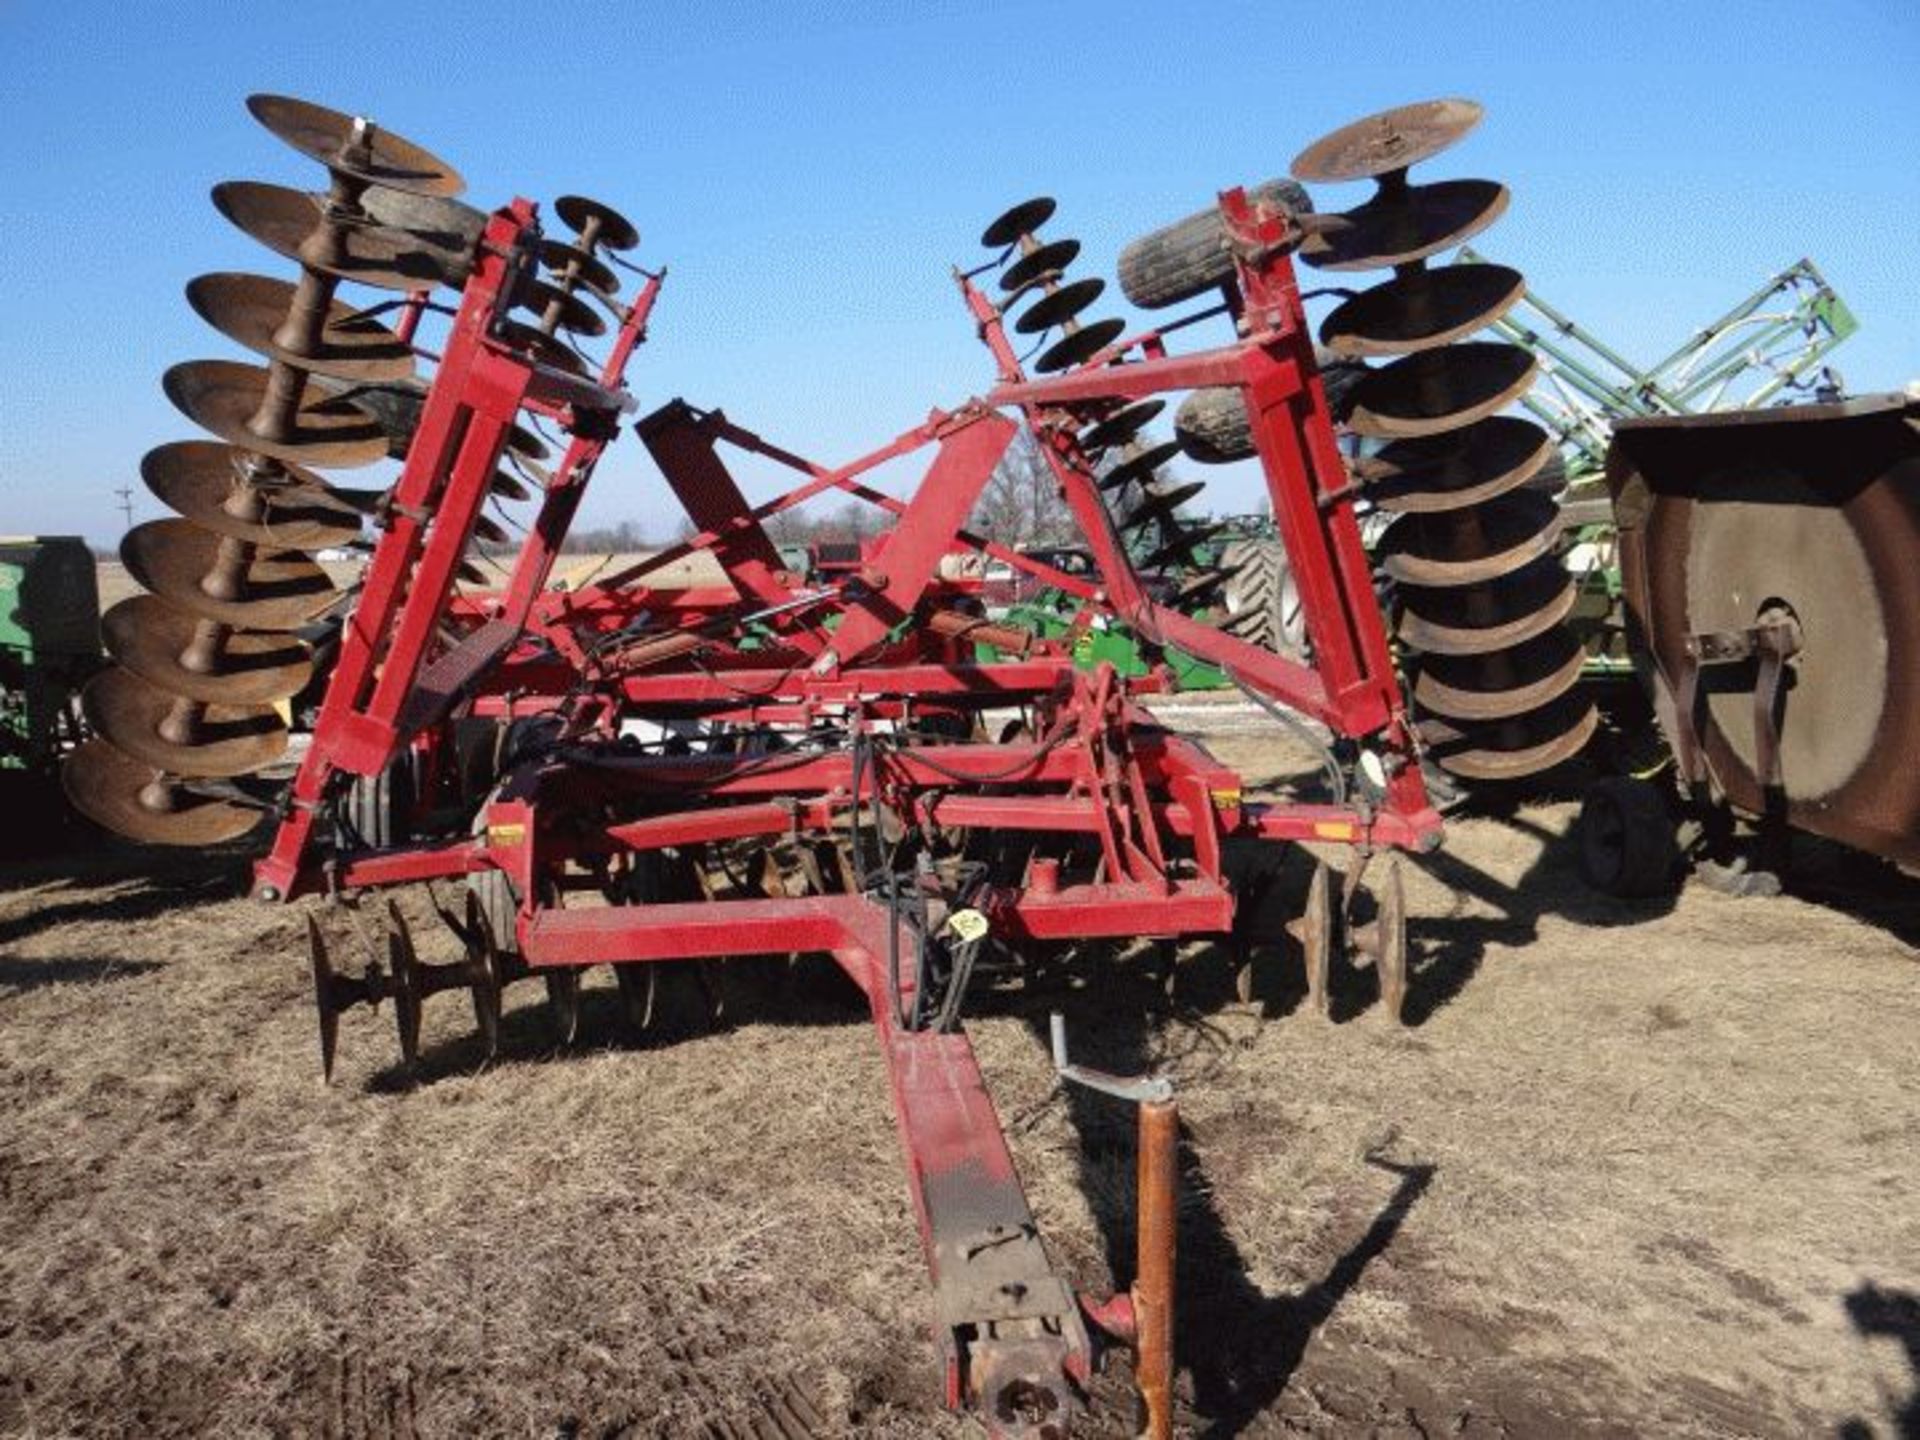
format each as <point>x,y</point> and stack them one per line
<point>967,925</point>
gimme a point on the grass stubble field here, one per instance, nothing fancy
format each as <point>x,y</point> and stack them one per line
<point>1632,1169</point>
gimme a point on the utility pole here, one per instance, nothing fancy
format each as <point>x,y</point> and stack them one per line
<point>125,492</point>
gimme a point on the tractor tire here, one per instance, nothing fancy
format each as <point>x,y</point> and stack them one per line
<point>1625,836</point>
<point>1190,256</point>
<point>1211,424</point>
<point>1261,599</point>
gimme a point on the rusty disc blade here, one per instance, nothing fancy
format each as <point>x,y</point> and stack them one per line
<point>1513,749</point>
<point>362,500</point>
<point>406,984</point>
<point>1466,547</point>
<point>1421,309</point>
<point>251,309</point>
<point>1412,224</point>
<point>281,219</point>
<point>1480,619</point>
<point>579,214</point>
<point>277,589</point>
<point>1060,305</point>
<point>1021,219</point>
<point>1119,427</point>
<point>1079,347</point>
<point>543,347</point>
<point>1391,140</point>
<point>560,257</point>
<point>1440,390</point>
<point>1456,469</point>
<point>1203,590</point>
<point>576,315</point>
<point>1501,684</point>
<point>395,406</point>
<point>234,492</point>
<point>509,487</point>
<point>1809,513</point>
<point>447,230</point>
<point>1180,545</point>
<point>355,146</point>
<point>326,1000</point>
<point>224,739</point>
<point>1140,469</point>
<point>156,642</point>
<point>1777,542</point>
<point>223,396</point>
<point>130,798</point>
<point>1158,504</point>
<point>1048,259</point>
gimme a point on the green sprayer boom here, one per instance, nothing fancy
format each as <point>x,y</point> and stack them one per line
<point>1770,345</point>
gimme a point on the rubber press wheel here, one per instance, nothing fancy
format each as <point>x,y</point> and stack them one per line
<point>1626,839</point>
<point>380,808</point>
<point>1191,256</point>
<point>1211,424</point>
<point>500,906</point>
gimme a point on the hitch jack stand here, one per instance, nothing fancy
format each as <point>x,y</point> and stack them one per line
<point>1144,1317</point>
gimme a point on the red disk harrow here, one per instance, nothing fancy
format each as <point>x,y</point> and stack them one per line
<point>649,775</point>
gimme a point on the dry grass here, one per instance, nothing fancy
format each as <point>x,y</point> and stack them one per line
<point>1620,1177</point>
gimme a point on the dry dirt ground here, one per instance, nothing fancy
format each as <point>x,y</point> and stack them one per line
<point>1630,1170</point>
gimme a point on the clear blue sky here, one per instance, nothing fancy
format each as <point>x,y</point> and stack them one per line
<point>809,172</point>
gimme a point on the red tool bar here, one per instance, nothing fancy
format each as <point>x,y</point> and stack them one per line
<point>714,422</point>
<point>403,867</point>
<point>693,930</point>
<point>907,560</point>
<point>1134,381</point>
<point>1121,588</point>
<point>997,684</point>
<point>1418,830</point>
<point>845,480</point>
<point>684,451</point>
<point>557,508</point>
<point>702,827</point>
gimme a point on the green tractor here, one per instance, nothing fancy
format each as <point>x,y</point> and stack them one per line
<point>49,649</point>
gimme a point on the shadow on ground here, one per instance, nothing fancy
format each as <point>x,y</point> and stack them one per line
<point>150,882</point>
<point>34,974</point>
<point>1879,1312</point>
<point>1238,1346</point>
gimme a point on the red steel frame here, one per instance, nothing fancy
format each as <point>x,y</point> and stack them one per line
<point>1155,807</point>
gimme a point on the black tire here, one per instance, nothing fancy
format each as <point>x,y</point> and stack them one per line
<point>1625,836</point>
<point>381,808</point>
<point>1260,598</point>
<point>494,892</point>
<point>1190,256</point>
<point>1211,424</point>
